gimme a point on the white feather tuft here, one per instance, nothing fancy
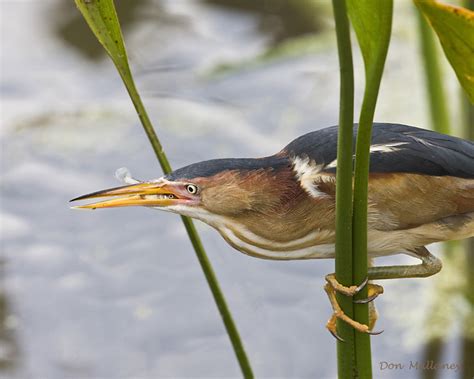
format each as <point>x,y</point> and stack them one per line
<point>307,173</point>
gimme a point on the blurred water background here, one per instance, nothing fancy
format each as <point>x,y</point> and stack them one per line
<point>119,293</point>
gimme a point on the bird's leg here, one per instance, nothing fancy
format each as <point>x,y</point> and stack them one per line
<point>430,265</point>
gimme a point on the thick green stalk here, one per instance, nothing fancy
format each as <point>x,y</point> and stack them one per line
<point>438,105</point>
<point>374,66</point>
<point>102,19</point>
<point>345,350</point>
<point>361,311</point>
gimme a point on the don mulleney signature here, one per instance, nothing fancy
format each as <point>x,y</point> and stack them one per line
<point>417,365</point>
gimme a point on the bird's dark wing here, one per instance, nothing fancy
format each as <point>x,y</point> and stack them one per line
<point>394,148</point>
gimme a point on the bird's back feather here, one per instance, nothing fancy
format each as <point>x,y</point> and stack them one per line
<point>395,148</point>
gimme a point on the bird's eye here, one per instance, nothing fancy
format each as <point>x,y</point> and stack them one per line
<point>191,188</point>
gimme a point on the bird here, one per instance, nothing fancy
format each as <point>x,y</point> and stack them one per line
<point>282,207</point>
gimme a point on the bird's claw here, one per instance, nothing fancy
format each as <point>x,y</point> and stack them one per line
<point>361,285</point>
<point>364,301</point>
<point>337,336</point>
<point>375,333</point>
<point>331,326</point>
<point>374,290</point>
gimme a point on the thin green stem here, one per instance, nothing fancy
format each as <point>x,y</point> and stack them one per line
<point>345,350</point>
<point>195,239</point>
<point>219,299</point>
<point>103,21</point>
<point>147,126</point>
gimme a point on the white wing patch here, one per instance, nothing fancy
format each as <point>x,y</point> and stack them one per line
<point>333,164</point>
<point>307,173</point>
<point>377,148</point>
<point>387,147</point>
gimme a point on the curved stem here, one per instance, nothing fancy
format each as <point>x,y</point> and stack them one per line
<point>101,17</point>
<point>193,235</point>
<point>373,75</point>
<point>345,350</point>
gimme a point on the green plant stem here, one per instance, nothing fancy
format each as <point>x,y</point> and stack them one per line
<point>345,350</point>
<point>147,126</point>
<point>433,77</point>
<point>194,237</point>
<point>103,21</point>
<point>219,299</point>
<point>360,258</point>
<point>373,76</point>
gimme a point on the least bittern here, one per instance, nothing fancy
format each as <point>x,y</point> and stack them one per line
<point>421,190</point>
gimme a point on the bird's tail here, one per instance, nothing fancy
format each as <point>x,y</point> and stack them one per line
<point>446,229</point>
<point>452,228</point>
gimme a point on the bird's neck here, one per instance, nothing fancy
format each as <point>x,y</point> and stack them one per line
<point>294,218</point>
<point>292,232</point>
<point>276,217</point>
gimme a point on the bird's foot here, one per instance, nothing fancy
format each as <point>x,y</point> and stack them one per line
<point>332,286</point>
<point>373,290</point>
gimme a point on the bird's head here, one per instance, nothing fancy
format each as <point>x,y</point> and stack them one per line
<point>223,187</point>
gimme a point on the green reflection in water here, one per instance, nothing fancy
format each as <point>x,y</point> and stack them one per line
<point>71,28</point>
<point>452,302</point>
<point>280,19</point>
<point>10,353</point>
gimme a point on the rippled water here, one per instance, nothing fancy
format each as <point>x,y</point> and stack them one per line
<point>119,293</point>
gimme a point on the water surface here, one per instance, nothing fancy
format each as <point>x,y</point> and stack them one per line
<point>119,293</point>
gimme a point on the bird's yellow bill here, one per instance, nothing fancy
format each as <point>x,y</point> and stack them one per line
<point>142,194</point>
